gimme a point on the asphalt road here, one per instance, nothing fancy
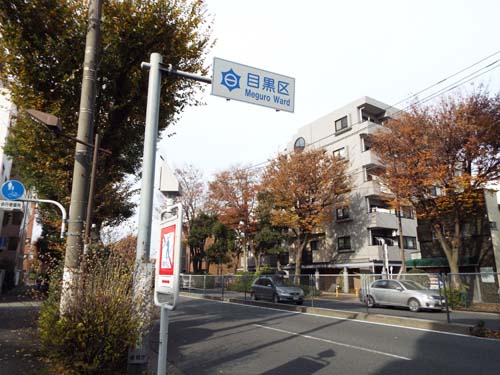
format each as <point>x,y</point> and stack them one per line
<point>491,320</point>
<point>210,337</point>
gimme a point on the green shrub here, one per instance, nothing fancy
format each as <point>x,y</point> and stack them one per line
<point>241,282</point>
<point>457,297</point>
<point>418,276</point>
<point>102,321</point>
<point>308,289</point>
<point>264,270</point>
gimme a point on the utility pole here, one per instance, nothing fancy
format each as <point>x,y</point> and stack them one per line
<point>74,243</point>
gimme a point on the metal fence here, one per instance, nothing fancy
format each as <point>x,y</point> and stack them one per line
<point>473,289</point>
<point>465,291</point>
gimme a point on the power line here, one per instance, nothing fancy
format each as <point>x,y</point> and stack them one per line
<point>446,89</point>
<point>440,92</point>
<point>447,78</point>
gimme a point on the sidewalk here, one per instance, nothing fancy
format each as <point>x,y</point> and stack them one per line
<point>19,345</point>
<point>18,340</point>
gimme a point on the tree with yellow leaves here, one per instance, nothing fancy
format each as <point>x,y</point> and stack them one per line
<point>304,188</point>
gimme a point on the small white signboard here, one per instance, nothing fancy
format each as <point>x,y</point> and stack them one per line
<point>231,80</point>
<point>487,275</point>
<point>11,205</point>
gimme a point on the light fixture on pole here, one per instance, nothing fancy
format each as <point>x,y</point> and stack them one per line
<point>383,242</point>
<point>53,123</point>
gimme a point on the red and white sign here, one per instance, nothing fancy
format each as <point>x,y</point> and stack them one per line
<point>168,257</point>
<point>167,251</point>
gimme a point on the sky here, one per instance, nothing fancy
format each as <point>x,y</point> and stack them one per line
<point>337,51</point>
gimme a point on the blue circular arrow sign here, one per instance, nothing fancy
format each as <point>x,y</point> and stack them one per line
<point>12,190</point>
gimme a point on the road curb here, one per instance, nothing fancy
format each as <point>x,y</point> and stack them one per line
<point>431,325</point>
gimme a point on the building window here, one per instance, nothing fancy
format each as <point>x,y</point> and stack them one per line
<point>410,242</point>
<point>341,124</point>
<point>6,218</point>
<point>341,153</point>
<point>313,245</point>
<point>12,243</point>
<point>342,213</point>
<point>371,173</point>
<point>344,243</point>
<point>17,218</point>
<point>436,191</point>
<point>493,225</point>
<point>299,145</point>
<point>407,212</point>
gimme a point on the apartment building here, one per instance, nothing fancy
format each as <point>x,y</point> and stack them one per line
<point>17,222</point>
<point>354,241</point>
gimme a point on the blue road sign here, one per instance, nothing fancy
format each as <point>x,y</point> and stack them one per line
<point>12,190</point>
<point>251,85</point>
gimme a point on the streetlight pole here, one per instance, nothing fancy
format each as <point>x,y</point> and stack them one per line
<point>53,124</point>
<point>244,244</point>
<point>383,242</point>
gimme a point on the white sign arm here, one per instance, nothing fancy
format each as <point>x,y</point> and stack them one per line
<point>61,207</point>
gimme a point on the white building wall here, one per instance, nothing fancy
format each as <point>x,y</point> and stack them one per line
<point>322,133</point>
<point>8,112</point>
<point>494,218</point>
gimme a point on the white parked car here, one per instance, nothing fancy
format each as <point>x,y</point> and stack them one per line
<point>402,293</point>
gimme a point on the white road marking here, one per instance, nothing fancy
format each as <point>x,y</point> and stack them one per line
<point>334,342</point>
<point>353,320</point>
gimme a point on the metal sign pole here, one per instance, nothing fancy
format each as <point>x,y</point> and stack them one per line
<point>284,97</point>
<point>162,347</point>
<point>167,275</point>
<point>138,357</point>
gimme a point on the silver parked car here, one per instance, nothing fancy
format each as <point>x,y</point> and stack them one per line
<point>276,290</point>
<point>403,293</point>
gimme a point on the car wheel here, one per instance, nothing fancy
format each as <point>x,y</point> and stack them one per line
<point>276,299</point>
<point>370,302</point>
<point>300,302</point>
<point>413,305</point>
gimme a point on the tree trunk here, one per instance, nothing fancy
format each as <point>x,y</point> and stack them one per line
<point>194,261</point>
<point>199,264</point>
<point>450,250</point>
<point>236,262</point>
<point>298,259</point>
